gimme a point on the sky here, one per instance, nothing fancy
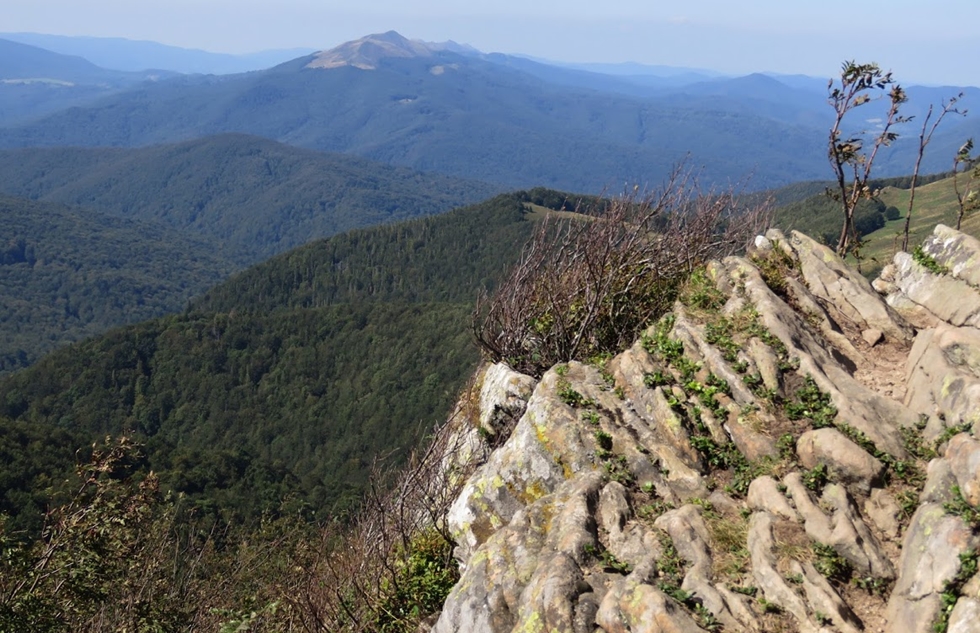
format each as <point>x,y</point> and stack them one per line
<point>917,41</point>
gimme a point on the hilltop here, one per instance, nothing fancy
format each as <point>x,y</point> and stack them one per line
<point>150,228</point>
<point>785,450</point>
<point>249,196</point>
<point>368,52</point>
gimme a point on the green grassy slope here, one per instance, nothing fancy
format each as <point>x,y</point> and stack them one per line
<point>935,203</point>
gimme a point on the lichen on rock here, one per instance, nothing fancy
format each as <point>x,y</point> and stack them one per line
<point>737,467</point>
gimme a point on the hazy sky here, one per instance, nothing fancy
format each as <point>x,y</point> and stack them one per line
<point>921,43</point>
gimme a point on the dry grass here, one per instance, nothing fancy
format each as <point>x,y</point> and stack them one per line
<point>729,537</point>
<point>792,543</point>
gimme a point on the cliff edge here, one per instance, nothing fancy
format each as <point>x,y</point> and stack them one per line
<point>791,449</point>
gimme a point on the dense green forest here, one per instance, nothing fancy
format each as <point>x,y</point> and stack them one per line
<point>68,273</point>
<point>249,197</point>
<point>159,225</point>
<point>285,382</point>
<point>444,258</point>
<point>242,412</point>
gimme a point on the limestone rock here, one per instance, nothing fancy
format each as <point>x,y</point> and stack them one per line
<point>883,510</point>
<point>564,525</point>
<point>503,398</point>
<point>965,617</point>
<point>963,455</point>
<point>958,252</point>
<point>632,607</point>
<point>948,298</point>
<point>939,483</point>
<point>828,277</point>
<point>770,582</point>
<point>872,336</point>
<point>844,529</point>
<point>764,494</point>
<point>824,599</point>
<point>876,416</point>
<point>845,459</point>
<point>943,374</point>
<point>930,557</point>
<point>547,443</point>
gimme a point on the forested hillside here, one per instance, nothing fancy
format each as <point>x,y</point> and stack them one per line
<point>69,273</point>
<point>285,383</point>
<point>151,228</point>
<point>248,197</point>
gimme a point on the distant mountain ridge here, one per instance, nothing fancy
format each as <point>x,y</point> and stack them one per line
<point>367,52</point>
<point>457,114</point>
<point>136,55</point>
<point>249,197</point>
<point>35,81</point>
<point>497,118</point>
<point>23,61</point>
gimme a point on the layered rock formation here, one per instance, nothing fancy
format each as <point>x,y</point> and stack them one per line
<point>790,450</point>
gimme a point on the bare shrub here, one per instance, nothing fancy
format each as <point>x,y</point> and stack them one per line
<point>392,566</point>
<point>588,285</point>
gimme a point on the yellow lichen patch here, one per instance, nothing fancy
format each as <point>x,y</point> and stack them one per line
<point>531,624</point>
<point>566,469</point>
<point>948,381</point>
<point>529,492</point>
<point>636,598</point>
<point>541,432</point>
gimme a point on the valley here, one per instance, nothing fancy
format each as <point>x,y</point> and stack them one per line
<point>244,337</point>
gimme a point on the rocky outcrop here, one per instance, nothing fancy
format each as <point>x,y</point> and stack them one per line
<point>740,468</point>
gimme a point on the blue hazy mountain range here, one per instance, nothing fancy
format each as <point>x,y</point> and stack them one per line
<point>118,53</point>
<point>504,119</point>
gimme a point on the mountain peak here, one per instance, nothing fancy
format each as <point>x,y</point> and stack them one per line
<point>367,52</point>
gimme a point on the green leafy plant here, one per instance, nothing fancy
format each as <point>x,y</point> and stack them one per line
<point>813,404</point>
<point>953,587</point>
<point>816,478</point>
<point>928,262</point>
<point>420,584</point>
<point>571,397</point>
<point>831,564</point>
<point>657,379</point>
<point>701,293</point>
<point>769,607</point>
<point>874,586</point>
<point>949,432</point>
<point>604,440</point>
<point>962,508</point>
